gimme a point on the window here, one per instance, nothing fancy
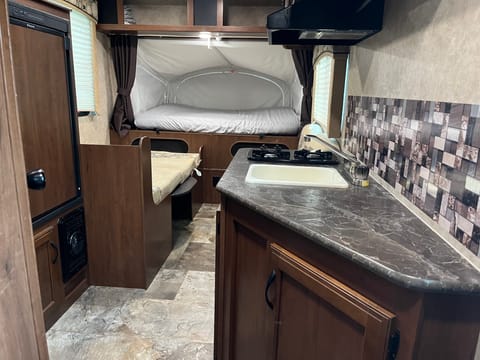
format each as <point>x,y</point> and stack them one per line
<point>322,92</point>
<point>82,47</point>
<point>329,91</point>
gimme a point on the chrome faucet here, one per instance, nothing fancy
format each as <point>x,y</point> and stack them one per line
<point>357,171</point>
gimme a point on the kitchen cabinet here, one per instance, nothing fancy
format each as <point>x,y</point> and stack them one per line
<point>282,296</point>
<point>253,320</point>
<point>57,296</point>
<point>49,272</point>
<point>315,314</point>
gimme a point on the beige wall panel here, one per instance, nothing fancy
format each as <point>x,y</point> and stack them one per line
<point>248,15</point>
<point>160,14</point>
<point>428,50</point>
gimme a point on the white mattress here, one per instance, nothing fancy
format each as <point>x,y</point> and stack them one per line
<point>189,119</point>
<point>170,170</point>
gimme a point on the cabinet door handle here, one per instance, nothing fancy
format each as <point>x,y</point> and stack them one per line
<point>55,247</point>
<point>270,281</point>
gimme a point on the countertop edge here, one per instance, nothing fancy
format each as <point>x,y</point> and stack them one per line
<point>396,277</point>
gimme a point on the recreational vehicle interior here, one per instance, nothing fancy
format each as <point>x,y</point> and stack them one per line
<point>238,179</point>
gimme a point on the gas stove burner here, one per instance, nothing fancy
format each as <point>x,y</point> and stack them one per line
<point>270,148</point>
<point>278,155</point>
<point>319,155</point>
<point>265,153</point>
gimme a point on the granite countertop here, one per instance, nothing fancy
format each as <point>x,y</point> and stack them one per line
<point>365,225</point>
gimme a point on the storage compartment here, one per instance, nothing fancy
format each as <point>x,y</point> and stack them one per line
<point>186,18</point>
<point>248,12</point>
<point>164,12</point>
<point>205,12</point>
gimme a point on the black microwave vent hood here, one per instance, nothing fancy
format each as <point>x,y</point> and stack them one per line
<point>325,22</point>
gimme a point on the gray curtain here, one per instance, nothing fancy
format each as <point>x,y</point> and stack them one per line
<point>124,53</point>
<point>303,59</point>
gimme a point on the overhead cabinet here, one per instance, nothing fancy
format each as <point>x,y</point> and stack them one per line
<point>229,18</point>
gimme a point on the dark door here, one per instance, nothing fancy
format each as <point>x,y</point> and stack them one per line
<point>49,274</point>
<point>44,110</point>
<point>253,320</point>
<point>317,317</point>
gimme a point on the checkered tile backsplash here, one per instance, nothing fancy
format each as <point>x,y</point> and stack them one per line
<point>428,151</point>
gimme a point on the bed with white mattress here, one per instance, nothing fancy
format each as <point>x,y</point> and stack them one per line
<point>173,117</point>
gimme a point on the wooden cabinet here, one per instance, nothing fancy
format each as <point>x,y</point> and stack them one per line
<point>56,296</point>
<point>252,329</point>
<point>317,315</point>
<point>281,296</point>
<point>49,272</point>
<point>223,17</point>
<point>308,314</point>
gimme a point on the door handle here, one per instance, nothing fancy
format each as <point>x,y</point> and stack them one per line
<point>55,247</point>
<point>270,281</point>
<point>36,179</point>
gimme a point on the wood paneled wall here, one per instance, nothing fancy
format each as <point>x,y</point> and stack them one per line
<point>21,320</point>
<point>129,237</point>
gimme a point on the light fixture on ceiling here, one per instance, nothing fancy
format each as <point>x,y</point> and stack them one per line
<point>206,36</point>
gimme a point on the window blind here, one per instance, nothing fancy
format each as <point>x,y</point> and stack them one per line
<point>322,88</point>
<point>82,48</point>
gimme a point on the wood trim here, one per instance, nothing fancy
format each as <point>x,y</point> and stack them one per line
<point>189,12</point>
<point>188,30</point>
<point>40,235</point>
<point>220,21</point>
<point>331,289</point>
<point>120,14</point>
<point>219,284</point>
<point>12,131</point>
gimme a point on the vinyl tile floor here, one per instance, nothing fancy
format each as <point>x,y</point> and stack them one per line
<point>171,320</point>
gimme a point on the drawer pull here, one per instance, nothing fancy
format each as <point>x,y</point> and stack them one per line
<point>270,281</point>
<point>55,247</point>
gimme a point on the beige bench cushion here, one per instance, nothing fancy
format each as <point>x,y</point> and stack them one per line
<point>170,170</point>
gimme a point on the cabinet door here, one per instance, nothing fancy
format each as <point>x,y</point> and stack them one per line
<point>252,330</point>
<point>44,110</point>
<point>49,272</point>
<point>317,317</point>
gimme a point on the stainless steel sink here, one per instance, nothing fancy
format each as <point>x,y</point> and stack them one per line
<point>295,176</point>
